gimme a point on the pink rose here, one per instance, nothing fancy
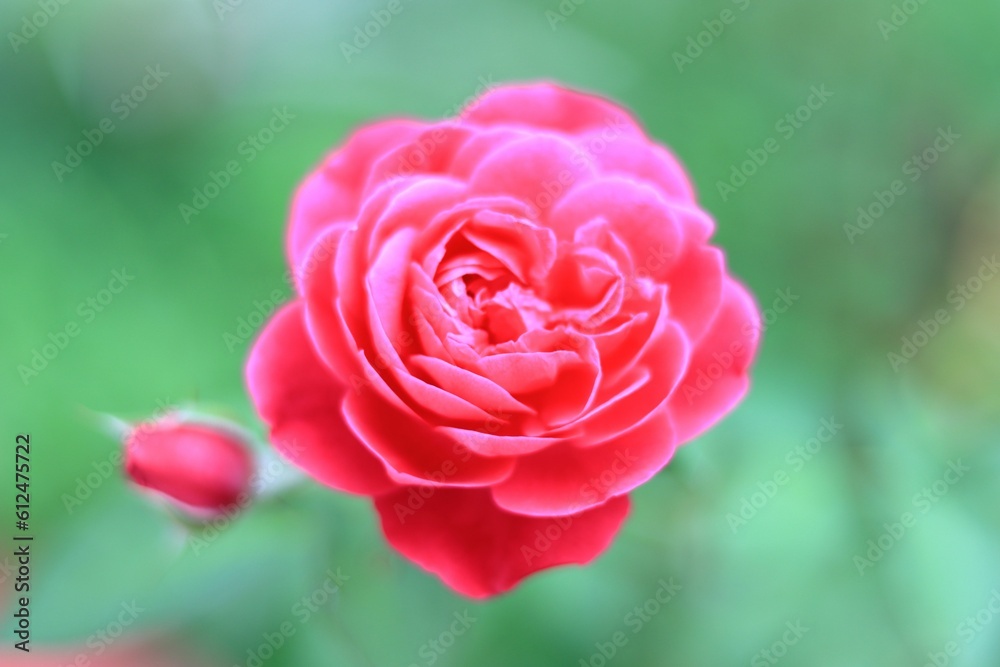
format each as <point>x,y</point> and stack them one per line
<point>506,322</point>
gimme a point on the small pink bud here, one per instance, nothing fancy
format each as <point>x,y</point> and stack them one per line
<point>204,467</point>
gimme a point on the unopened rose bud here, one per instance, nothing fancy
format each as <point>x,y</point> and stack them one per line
<point>205,467</point>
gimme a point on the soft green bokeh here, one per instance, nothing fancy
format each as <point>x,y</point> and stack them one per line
<point>162,339</point>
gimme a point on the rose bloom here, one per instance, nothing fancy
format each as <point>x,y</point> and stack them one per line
<point>506,322</point>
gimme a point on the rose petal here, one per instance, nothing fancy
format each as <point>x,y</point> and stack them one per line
<point>433,151</point>
<point>525,249</point>
<point>335,191</point>
<point>413,203</point>
<point>413,448</point>
<point>637,215</point>
<point>660,364</point>
<point>325,322</point>
<point>299,399</point>
<point>388,283</point>
<point>716,378</point>
<point>480,550</point>
<point>696,289</point>
<point>638,158</point>
<point>565,478</point>
<point>481,144</point>
<point>490,444</point>
<point>549,107</point>
<point>538,171</point>
<point>474,388</point>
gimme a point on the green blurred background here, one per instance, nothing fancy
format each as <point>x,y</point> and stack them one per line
<point>162,340</point>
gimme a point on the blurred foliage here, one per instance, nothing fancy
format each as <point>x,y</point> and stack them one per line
<point>161,340</point>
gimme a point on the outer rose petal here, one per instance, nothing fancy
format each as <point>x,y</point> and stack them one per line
<point>696,285</point>
<point>548,107</point>
<point>432,152</point>
<point>482,143</point>
<point>334,192</point>
<point>703,396</point>
<point>638,158</point>
<point>479,549</point>
<point>325,323</point>
<point>300,400</point>
<point>537,170</point>
<point>564,479</point>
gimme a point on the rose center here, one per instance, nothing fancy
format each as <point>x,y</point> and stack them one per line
<point>500,307</point>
